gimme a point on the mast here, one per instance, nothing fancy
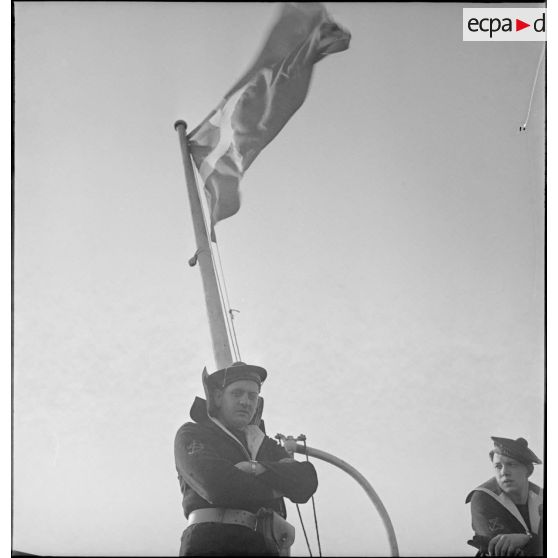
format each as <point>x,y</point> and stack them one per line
<point>215,312</point>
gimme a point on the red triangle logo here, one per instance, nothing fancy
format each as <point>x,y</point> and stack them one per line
<point>519,25</point>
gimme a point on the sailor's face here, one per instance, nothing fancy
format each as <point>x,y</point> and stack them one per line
<point>511,475</point>
<point>237,403</point>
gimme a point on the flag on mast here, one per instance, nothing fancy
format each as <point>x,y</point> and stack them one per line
<point>257,107</point>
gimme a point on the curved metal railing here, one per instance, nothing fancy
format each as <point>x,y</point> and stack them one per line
<point>291,446</point>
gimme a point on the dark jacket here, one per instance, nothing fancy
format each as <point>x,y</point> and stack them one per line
<point>205,456</point>
<point>493,513</point>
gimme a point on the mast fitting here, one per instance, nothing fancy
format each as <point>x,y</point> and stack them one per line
<point>289,442</point>
<point>194,259</point>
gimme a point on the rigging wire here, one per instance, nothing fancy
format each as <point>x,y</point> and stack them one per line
<point>523,127</point>
<point>228,325</point>
<point>234,339</point>
<point>303,529</point>
<point>313,505</point>
<point>282,439</point>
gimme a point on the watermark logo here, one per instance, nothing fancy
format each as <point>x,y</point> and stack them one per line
<point>504,24</point>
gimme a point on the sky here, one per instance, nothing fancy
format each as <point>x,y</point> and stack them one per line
<point>387,263</point>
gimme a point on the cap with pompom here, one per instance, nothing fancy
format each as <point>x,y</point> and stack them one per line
<point>516,449</point>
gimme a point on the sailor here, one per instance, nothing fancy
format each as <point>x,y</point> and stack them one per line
<point>232,476</point>
<point>507,509</point>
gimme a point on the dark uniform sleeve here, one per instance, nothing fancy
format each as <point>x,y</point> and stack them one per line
<point>535,546</point>
<point>486,515</point>
<point>296,480</point>
<point>214,478</point>
<point>489,521</point>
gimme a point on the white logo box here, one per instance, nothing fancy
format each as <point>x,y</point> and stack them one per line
<point>499,24</point>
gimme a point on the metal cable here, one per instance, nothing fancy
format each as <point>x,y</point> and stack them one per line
<point>281,439</point>
<point>314,507</point>
<point>304,529</point>
<point>234,339</point>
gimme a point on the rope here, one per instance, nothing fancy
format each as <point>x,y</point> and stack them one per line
<point>304,530</point>
<point>314,508</point>
<point>231,310</point>
<point>220,279</point>
<point>281,439</point>
<point>524,126</point>
<point>234,339</point>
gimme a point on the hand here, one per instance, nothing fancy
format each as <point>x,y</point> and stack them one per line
<point>287,460</point>
<point>244,466</point>
<point>507,545</point>
<point>251,467</point>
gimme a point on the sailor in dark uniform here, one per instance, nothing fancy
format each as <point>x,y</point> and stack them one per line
<point>232,476</point>
<point>507,510</point>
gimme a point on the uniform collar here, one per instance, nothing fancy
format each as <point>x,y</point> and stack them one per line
<point>198,410</point>
<point>534,501</point>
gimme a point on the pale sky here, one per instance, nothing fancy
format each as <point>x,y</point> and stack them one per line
<point>387,262</point>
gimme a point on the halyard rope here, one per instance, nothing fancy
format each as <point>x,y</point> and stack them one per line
<point>302,438</point>
<point>304,529</point>
<point>234,339</point>
<point>313,505</point>
<point>220,279</point>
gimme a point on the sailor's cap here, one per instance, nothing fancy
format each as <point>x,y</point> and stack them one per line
<point>235,372</point>
<point>516,449</point>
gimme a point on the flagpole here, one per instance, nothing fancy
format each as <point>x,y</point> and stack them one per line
<point>215,312</point>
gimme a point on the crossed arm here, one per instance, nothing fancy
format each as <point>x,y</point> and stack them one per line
<point>245,484</point>
<point>493,530</point>
<point>256,468</point>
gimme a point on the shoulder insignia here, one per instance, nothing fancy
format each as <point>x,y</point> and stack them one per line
<point>194,447</point>
<point>495,525</point>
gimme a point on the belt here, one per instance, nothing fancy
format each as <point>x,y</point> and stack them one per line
<point>223,515</point>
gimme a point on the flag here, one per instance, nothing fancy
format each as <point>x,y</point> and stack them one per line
<point>257,107</point>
